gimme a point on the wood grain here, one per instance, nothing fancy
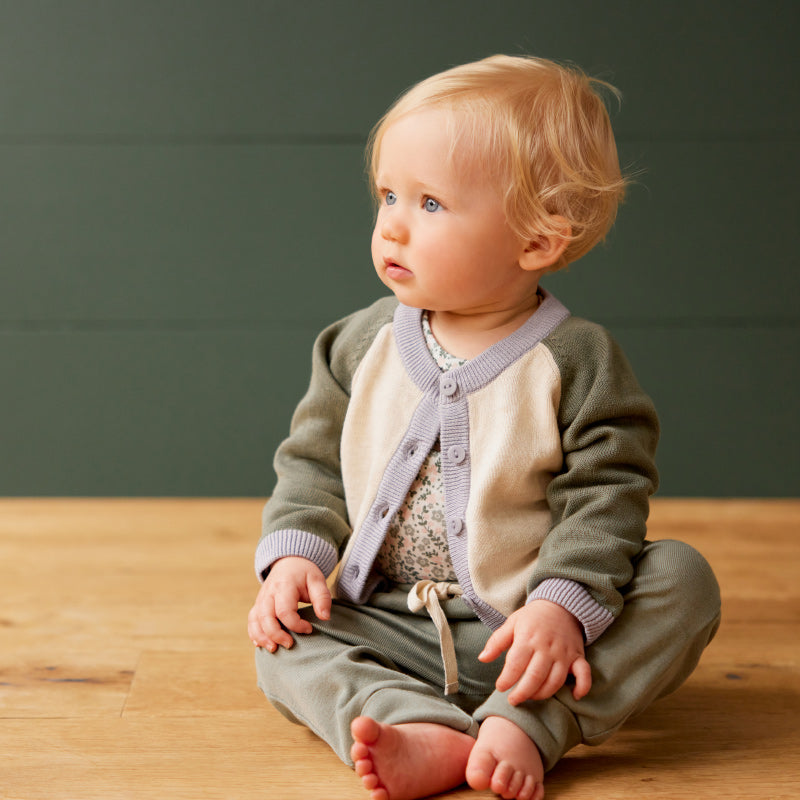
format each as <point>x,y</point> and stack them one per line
<point>125,669</point>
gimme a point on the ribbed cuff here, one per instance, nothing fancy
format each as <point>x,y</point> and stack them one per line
<point>294,543</point>
<point>576,599</point>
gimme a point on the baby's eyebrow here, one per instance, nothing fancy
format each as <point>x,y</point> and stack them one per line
<point>419,187</point>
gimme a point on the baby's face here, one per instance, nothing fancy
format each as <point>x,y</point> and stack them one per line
<point>441,240</point>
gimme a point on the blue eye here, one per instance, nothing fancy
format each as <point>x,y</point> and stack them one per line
<point>391,198</point>
<point>432,205</point>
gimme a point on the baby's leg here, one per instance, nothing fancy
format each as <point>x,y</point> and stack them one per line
<point>331,676</point>
<point>410,760</point>
<point>671,613</point>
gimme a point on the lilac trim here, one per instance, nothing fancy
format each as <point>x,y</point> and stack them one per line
<point>456,475</point>
<point>416,357</point>
<point>357,578</point>
<point>294,543</point>
<point>482,369</point>
<point>576,599</point>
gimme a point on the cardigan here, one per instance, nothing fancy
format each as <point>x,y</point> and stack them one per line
<point>548,446</point>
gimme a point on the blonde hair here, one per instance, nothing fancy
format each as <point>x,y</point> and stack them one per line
<point>541,129</point>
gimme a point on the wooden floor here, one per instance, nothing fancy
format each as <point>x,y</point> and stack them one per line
<point>126,672</point>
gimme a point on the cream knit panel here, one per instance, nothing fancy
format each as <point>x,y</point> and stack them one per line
<point>383,400</point>
<point>515,451</point>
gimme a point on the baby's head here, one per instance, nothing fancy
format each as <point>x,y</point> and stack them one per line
<point>540,130</point>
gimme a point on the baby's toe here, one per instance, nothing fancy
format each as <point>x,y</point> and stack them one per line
<point>501,778</point>
<point>480,768</point>
<point>515,785</point>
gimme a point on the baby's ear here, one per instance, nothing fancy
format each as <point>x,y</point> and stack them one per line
<point>543,251</point>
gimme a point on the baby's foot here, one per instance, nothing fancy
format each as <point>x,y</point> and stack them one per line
<point>506,761</point>
<point>408,761</point>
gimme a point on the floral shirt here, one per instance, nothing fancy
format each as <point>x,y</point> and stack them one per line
<point>416,546</point>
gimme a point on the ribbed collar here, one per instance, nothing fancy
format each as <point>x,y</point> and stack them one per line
<point>482,369</point>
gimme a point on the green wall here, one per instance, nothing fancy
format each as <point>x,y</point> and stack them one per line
<point>182,208</point>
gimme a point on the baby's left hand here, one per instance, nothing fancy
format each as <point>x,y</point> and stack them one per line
<point>545,644</point>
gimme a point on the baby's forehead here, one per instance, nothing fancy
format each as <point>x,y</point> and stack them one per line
<point>470,140</point>
<point>466,161</point>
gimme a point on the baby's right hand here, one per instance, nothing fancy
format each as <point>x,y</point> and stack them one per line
<point>291,580</point>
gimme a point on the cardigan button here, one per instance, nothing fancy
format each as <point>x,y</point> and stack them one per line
<point>455,526</point>
<point>449,386</point>
<point>456,454</point>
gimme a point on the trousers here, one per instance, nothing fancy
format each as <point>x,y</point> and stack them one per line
<point>381,660</point>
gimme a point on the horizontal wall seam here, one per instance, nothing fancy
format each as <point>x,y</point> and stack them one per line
<point>273,323</point>
<point>156,140</point>
<point>354,139</point>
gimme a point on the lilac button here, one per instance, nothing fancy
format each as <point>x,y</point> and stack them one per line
<point>456,454</point>
<point>449,386</point>
<point>455,526</point>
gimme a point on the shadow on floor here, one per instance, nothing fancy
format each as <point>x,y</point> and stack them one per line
<point>699,724</point>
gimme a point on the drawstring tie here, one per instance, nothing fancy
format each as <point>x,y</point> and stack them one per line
<point>427,594</point>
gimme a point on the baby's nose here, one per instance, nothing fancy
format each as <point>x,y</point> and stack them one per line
<point>394,229</point>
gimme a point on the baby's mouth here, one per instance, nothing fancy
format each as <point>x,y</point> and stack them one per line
<point>395,270</point>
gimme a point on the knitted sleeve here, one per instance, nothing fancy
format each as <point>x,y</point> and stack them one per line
<point>306,514</point>
<point>600,499</point>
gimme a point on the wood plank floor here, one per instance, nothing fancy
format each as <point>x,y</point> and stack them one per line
<point>126,672</point>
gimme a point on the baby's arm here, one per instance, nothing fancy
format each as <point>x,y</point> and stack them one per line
<point>599,500</point>
<point>545,644</point>
<point>291,580</point>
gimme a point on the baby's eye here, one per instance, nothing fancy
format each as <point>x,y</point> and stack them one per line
<point>431,204</point>
<point>390,198</point>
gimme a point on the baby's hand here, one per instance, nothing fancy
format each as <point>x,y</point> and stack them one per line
<point>291,580</point>
<point>546,645</point>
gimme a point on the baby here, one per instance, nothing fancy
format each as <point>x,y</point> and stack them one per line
<point>471,466</point>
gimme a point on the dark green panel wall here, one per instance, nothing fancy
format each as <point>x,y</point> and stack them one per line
<point>182,207</point>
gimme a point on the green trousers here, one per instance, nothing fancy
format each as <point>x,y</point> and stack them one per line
<point>382,661</point>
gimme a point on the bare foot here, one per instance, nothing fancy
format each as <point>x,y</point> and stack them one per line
<point>506,761</point>
<point>408,761</point>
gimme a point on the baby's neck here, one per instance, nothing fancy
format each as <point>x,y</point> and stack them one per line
<point>469,335</point>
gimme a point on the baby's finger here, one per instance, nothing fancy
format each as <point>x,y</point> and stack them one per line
<point>583,678</point>
<point>517,661</point>
<point>286,612</point>
<point>264,617</point>
<point>319,596</point>
<point>530,678</point>
<point>537,688</point>
<point>260,639</point>
<point>280,639</point>
<point>256,633</point>
<point>497,643</point>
